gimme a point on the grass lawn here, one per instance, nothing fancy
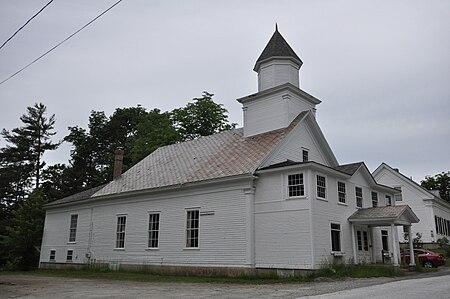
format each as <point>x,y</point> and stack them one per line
<point>334,272</point>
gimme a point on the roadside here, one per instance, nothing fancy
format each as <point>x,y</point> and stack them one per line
<point>28,286</point>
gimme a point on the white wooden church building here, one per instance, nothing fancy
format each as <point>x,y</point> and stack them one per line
<point>270,195</point>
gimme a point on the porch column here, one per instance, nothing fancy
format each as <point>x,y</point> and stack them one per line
<point>394,246</point>
<point>412,262</point>
<point>355,256</point>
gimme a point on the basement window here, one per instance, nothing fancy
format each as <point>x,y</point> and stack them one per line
<point>69,256</point>
<point>52,255</point>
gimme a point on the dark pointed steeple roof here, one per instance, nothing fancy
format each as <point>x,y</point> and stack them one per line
<point>277,47</point>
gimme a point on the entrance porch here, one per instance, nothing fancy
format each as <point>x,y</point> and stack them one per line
<point>380,222</point>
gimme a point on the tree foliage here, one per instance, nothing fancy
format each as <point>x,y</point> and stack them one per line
<point>440,182</point>
<point>21,241</point>
<point>202,117</point>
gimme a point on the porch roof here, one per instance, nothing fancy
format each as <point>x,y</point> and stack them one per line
<point>384,216</point>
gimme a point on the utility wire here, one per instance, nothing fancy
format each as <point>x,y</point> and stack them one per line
<point>66,39</point>
<point>26,23</point>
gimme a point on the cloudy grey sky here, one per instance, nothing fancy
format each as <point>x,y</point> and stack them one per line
<point>381,68</point>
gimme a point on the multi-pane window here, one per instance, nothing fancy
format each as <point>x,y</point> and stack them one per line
<point>192,228</point>
<point>388,200</point>
<point>73,228</point>
<point>69,255</point>
<point>366,241</point>
<point>341,192</point>
<point>305,154</point>
<point>52,255</point>
<point>359,239</point>
<point>321,186</point>
<point>442,226</point>
<point>296,186</point>
<point>359,197</point>
<point>398,196</point>
<point>335,237</point>
<point>120,232</point>
<point>385,240</point>
<point>153,230</point>
<point>374,199</point>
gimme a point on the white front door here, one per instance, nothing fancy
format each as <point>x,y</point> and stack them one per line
<point>363,245</point>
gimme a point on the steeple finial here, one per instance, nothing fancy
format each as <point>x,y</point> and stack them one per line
<point>276,26</point>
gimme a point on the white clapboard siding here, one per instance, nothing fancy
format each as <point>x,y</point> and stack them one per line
<point>222,230</point>
<point>301,138</point>
<point>282,234</point>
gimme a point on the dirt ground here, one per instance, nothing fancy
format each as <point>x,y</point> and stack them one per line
<point>25,286</point>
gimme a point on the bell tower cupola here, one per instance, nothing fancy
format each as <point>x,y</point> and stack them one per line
<point>278,64</point>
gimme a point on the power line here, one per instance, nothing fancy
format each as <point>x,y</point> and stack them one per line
<point>26,23</point>
<point>66,39</point>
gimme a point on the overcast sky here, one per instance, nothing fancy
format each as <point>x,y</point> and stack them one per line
<point>381,68</point>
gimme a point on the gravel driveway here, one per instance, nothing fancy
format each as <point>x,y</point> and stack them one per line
<point>25,286</point>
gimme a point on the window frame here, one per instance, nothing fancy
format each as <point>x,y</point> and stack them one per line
<point>152,231</point>
<point>332,238</point>
<point>73,228</point>
<point>189,237</point>
<point>385,238</point>
<point>388,200</point>
<point>120,234</point>
<point>305,154</point>
<point>52,256</point>
<point>300,185</point>
<point>398,195</point>
<point>374,199</point>
<point>324,186</point>
<point>69,255</point>
<point>359,198</point>
<point>340,192</point>
<point>359,240</point>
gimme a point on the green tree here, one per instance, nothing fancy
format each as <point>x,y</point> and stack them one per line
<point>27,144</point>
<point>202,117</point>
<point>22,239</point>
<point>155,130</point>
<point>439,182</point>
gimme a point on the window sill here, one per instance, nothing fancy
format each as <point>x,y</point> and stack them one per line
<point>152,248</point>
<point>119,249</point>
<point>321,198</point>
<point>296,197</point>
<point>343,204</point>
<point>337,253</point>
<point>191,248</point>
<point>71,242</point>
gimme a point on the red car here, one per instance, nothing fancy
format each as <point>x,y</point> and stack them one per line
<point>427,258</point>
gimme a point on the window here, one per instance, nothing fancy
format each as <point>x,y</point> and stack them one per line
<point>120,234</point>
<point>341,192</point>
<point>296,185</point>
<point>385,240</point>
<point>321,186</point>
<point>73,228</point>
<point>359,197</point>
<point>153,230</point>
<point>69,255</point>
<point>305,155</point>
<point>374,199</point>
<point>335,237</point>
<point>52,255</point>
<point>366,241</point>
<point>398,196</point>
<point>192,228</point>
<point>359,239</point>
<point>388,200</point>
